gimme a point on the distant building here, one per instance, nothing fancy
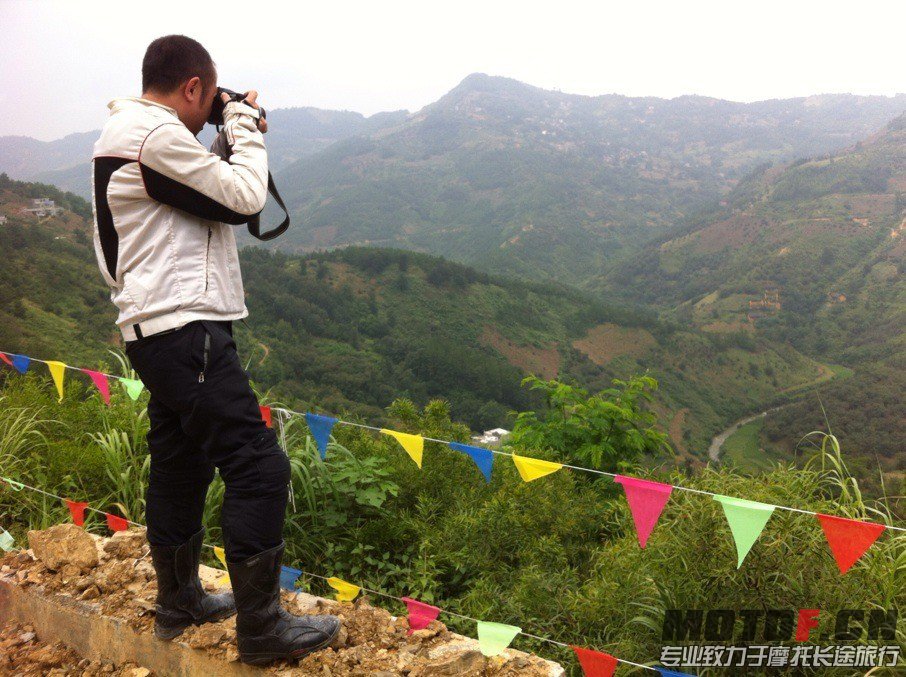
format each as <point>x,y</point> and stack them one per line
<point>42,207</point>
<point>2,219</point>
<point>494,436</point>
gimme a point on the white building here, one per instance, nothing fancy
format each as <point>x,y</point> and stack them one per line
<point>493,436</point>
<point>2,219</point>
<point>42,207</point>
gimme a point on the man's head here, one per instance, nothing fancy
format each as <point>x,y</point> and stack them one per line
<point>178,72</point>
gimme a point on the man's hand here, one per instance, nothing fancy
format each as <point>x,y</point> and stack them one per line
<point>252,100</point>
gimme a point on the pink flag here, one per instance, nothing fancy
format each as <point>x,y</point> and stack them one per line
<point>646,502</point>
<point>103,386</point>
<point>116,523</point>
<point>420,614</point>
<point>6,359</point>
<point>849,539</point>
<point>595,663</point>
<point>266,416</point>
<point>77,510</point>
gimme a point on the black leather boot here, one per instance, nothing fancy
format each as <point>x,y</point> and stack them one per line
<point>181,601</point>
<point>265,631</point>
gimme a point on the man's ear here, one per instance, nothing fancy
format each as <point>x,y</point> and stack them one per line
<point>193,89</point>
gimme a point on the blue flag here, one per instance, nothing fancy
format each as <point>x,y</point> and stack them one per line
<point>21,362</point>
<point>670,673</point>
<point>320,427</point>
<point>483,458</point>
<point>288,577</point>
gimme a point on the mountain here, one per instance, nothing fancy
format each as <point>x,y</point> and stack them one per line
<point>812,254</point>
<point>295,133</point>
<point>512,178</point>
<point>352,329</point>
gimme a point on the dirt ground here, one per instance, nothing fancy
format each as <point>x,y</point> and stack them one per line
<point>121,583</point>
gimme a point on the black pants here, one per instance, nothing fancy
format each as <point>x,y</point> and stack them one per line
<point>202,422</point>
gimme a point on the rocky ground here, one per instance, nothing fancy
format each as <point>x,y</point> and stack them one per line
<point>116,576</point>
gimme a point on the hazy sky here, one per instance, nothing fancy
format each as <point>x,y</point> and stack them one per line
<point>62,61</point>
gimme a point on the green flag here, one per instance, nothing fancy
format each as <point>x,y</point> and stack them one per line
<point>7,542</point>
<point>133,387</point>
<point>747,520</point>
<point>493,638</point>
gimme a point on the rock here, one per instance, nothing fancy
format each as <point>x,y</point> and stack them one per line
<point>139,672</point>
<point>64,544</point>
<point>129,544</point>
<point>342,638</point>
<point>466,663</point>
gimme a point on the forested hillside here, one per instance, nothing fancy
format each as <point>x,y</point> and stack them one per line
<point>811,254</point>
<point>353,329</point>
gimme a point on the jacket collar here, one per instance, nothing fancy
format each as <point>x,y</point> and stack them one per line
<point>126,101</point>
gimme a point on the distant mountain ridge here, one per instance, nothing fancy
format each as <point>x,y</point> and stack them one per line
<point>513,178</point>
<point>295,133</point>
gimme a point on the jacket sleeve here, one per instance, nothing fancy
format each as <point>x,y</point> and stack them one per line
<point>180,172</point>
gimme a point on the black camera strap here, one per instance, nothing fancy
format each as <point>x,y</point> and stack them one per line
<point>254,223</point>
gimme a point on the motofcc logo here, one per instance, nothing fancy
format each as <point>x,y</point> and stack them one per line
<point>779,625</point>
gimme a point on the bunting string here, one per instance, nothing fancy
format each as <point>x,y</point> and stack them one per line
<point>348,591</point>
<point>500,452</point>
<point>847,538</point>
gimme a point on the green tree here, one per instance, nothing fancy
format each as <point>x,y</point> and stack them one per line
<point>607,431</point>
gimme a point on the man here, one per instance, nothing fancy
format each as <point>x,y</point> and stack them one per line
<point>163,209</point>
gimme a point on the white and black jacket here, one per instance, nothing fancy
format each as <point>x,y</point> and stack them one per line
<point>164,207</point>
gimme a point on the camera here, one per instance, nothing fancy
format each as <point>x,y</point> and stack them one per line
<point>216,117</point>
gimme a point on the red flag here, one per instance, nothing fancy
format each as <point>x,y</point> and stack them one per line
<point>6,359</point>
<point>646,502</point>
<point>100,381</point>
<point>77,510</point>
<point>848,539</point>
<point>595,663</point>
<point>116,523</point>
<point>420,614</point>
<point>266,416</point>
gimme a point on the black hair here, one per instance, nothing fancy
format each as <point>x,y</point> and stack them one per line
<point>171,60</point>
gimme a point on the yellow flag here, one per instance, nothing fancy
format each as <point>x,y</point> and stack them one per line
<point>346,592</point>
<point>413,444</point>
<point>57,369</point>
<point>221,555</point>
<point>533,468</point>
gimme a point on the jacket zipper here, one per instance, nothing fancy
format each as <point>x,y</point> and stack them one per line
<point>207,258</point>
<point>207,350</point>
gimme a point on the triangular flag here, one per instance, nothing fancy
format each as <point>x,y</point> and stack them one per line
<point>320,427</point>
<point>413,444</point>
<point>116,523</point>
<point>646,503</point>
<point>595,663</point>
<point>220,554</point>
<point>346,592</point>
<point>266,416</point>
<point>483,458</point>
<point>7,542</point>
<point>100,380</point>
<point>77,510</point>
<point>6,359</point>
<point>533,468</point>
<point>848,539</point>
<point>671,673</point>
<point>420,614</point>
<point>133,386</point>
<point>57,370</point>
<point>747,520</point>
<point>288,578</point>
<point>21,362</point>
<point>493,638</point>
